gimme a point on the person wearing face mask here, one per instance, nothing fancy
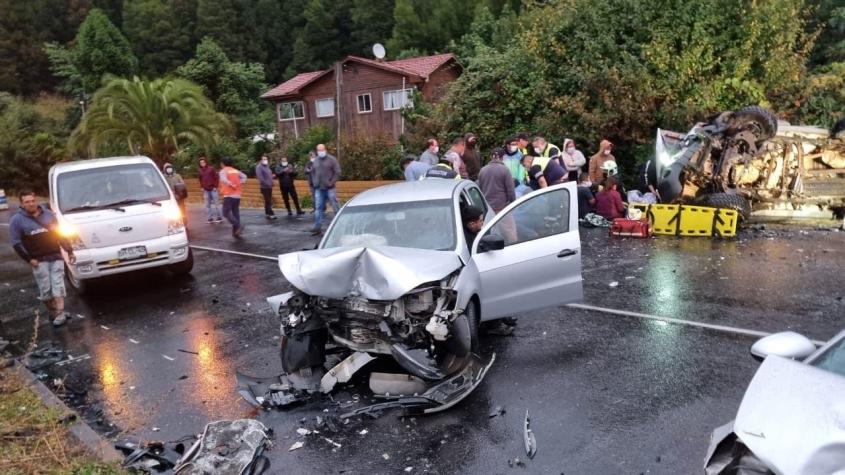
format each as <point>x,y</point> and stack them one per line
<point>265,184</point>
<point>544,152</point>
<point>471,157</point>
<point>430,155</point>
<point>180,190</point>
<point>573,159</point>
<point>513,160</point>
<point>599,159</point>
<point>286,173</point>
<point>326,175</point>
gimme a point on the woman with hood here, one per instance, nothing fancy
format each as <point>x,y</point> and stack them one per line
<point>573,159</point>
<point>180,190</point>
<point>596,161</point>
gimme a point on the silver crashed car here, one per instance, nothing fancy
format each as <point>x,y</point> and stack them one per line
<point>792,417</point>
<point>394,276</point>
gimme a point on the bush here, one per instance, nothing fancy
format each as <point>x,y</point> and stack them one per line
<point>297,151</point>
<point>370,157</point>
<point>30,143</point>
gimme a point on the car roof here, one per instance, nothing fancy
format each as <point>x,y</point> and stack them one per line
<point>421,190</point>
<point>99,163</point>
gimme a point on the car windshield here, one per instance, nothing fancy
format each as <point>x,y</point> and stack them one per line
<point>833,359</point>
<point>419,225</point>
<point>104,187</point>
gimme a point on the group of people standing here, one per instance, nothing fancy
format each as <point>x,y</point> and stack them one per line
<point>322,172</point>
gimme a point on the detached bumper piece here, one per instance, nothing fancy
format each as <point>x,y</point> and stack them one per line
<point>278,391</point>
<point>439,397</point>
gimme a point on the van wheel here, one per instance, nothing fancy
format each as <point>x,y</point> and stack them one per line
<point>80,286</point>
<point>184,267</point>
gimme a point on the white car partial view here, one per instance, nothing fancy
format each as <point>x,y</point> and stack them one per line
<point>792,417</point>
<point>396,277</point>
<point>119,215</point>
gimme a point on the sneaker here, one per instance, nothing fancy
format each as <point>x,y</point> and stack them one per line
<point>270,216</point>
<point>300,213</point>
<point>60,319</point>
<point>218,220</point>
<point>210,221</point>
<point>316,231</point>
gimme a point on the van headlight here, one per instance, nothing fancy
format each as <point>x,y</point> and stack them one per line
<point>70,233</point>
<point>175,226</point>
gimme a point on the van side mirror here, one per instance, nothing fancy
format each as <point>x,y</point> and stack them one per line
<point>491,242</point>
<point>786,344</point>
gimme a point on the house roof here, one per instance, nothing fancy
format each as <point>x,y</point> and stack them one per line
<point>293,85</point>
<point>421,67</point>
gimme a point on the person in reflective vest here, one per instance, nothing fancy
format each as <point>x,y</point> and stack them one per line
<point>544,152</point>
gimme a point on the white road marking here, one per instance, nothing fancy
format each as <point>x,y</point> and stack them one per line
<point>247,254</point>
<point>613,311</point>
<point>133,341</point>
<point>678,321</point>
<point>104,327</point>
<point>169,358</point>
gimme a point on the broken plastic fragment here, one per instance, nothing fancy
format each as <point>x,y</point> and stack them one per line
<point>613,284</point>
<point>385,456</point>
<point>528,438</point>
<point>303,431</point>
<point>295,446</point>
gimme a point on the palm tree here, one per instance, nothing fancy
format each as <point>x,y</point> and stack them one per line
<point>155,118</point>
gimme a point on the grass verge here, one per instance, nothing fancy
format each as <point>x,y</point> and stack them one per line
<point>34,438</point>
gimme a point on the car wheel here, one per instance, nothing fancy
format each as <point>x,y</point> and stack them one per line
<point>184,267</point>
<point>474,320</point>
<point>728,201</point>
<point>80,286</point>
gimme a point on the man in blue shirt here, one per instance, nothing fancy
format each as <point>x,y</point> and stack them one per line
<point>33,232</point>
<point>413,169</point>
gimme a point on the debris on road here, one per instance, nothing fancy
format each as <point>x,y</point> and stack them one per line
<point>613,284</point>
<point>43,357</point>
<point>497,411</point>
<point>302,431</point>
<point>528,437</point>
<point>188,351</point>
<point>228,447</point>
<point>296,446</point>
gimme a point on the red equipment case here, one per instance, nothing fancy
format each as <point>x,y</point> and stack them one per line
<point>622,227</point>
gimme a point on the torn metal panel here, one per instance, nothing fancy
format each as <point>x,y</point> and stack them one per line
<point>528,437</point>
<point>275,391</point>
<point>439,397</point>
<point>375,273</point>
<point>230,447</point>
<point>344,370</point>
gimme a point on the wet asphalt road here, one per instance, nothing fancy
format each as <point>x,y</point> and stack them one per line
<point>608,394</point>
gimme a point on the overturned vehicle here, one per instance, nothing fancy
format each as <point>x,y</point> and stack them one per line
<point>748,161</point>
<point>396,277</point>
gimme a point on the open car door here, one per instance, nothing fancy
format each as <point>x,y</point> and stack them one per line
<point>540,263</point>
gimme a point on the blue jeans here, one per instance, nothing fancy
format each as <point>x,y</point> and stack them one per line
<point>211,208</point>
<point>232,211</point>
<point>333,200</point>
<point>320,198</point>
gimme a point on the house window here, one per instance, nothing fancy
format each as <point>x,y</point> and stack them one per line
<point>397,99</point>
<point>291,111</point>
<point>365,103</point>
<point>325,107</point>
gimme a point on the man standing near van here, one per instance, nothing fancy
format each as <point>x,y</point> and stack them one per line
<point>209,181</point>
<point>231,185</point>
<point>35,238</point>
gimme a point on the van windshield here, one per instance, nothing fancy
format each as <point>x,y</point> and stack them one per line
<point>104,187</point>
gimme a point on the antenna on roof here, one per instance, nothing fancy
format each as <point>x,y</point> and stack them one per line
<point>378,51</point>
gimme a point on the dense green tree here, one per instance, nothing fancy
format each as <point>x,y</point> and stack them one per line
<point>157,34</point>
<point>24,28</point>
<point>234,87</point>
<point>155,118</point>
<point>325,37</point>
<point>231,23</point>
<point>100,48</point>
<point>372,22</point>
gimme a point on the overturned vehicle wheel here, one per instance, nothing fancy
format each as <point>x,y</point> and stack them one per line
<point>728,201</point>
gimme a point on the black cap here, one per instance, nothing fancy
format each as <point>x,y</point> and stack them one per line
<point>498,152</point>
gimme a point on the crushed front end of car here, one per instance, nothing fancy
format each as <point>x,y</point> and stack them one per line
<point>366,303</point>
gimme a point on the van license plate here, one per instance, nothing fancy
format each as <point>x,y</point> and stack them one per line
<point>129,253</point>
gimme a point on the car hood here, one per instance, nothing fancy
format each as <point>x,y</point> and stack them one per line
<point>374,273</point>
<point>792,417</point>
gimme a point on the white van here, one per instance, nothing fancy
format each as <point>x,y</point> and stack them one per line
<point>120,215</point>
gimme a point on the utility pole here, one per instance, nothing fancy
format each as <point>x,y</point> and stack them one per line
<point>338,80</point>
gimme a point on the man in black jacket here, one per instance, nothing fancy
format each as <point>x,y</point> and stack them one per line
<point>286,173</point>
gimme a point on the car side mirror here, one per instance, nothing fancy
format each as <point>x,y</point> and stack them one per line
<point>491,242</point>
<point>786,344</point>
